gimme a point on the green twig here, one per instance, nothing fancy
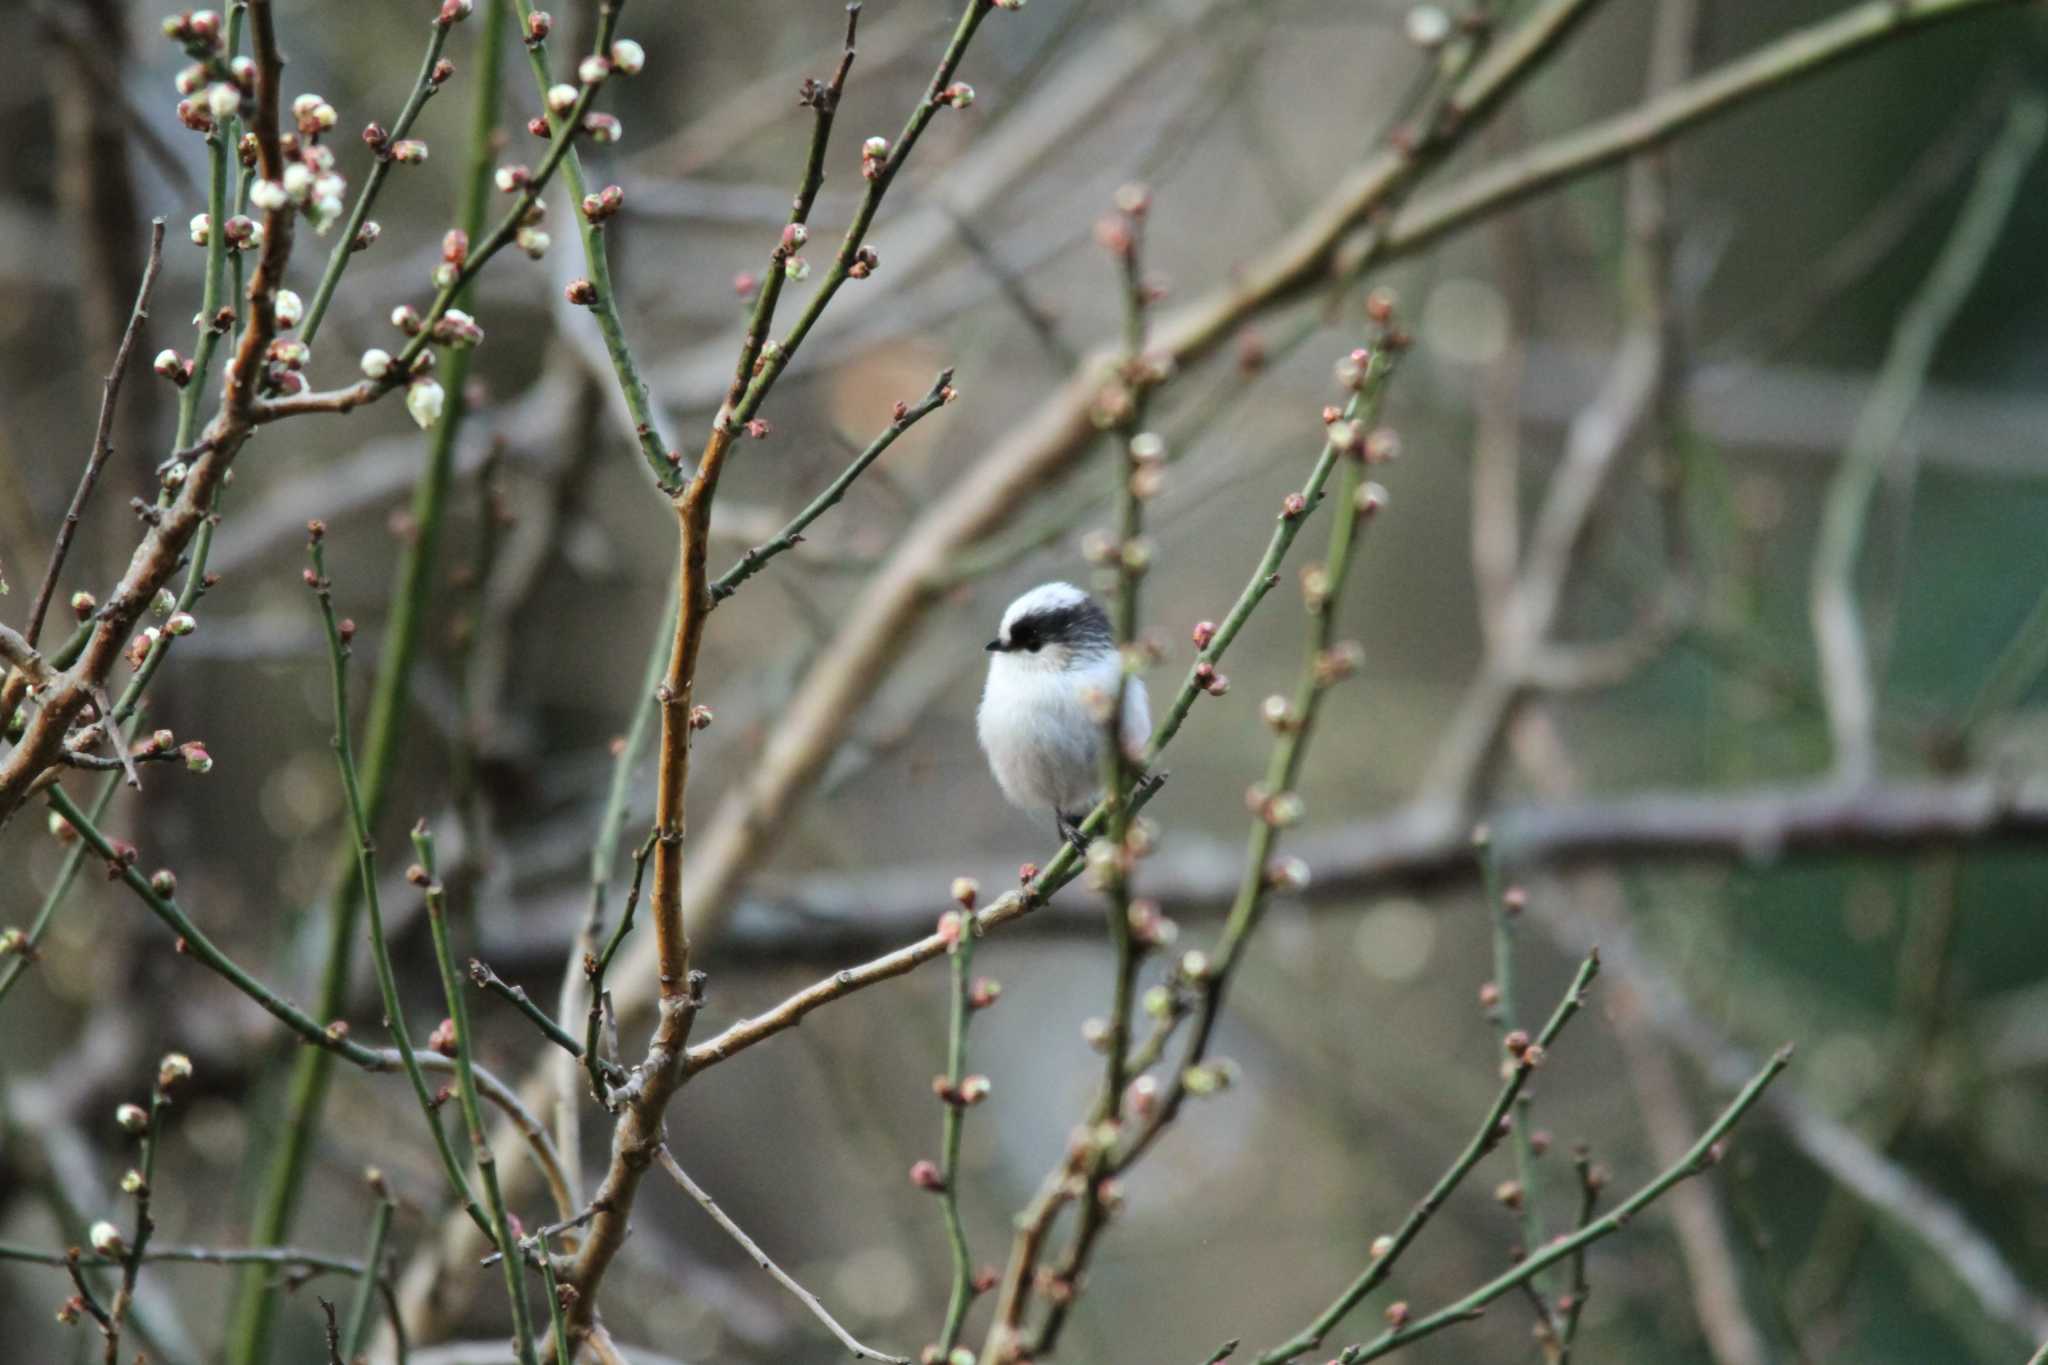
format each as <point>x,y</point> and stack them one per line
<point>289,1154</point>
<point>1482,1141</point>
<point>961,1293</point>
<point>365,1300</point>
<point>424,87</point>
<point>604,304</point>
<point>790,536</point>
<point>1702,1155</point>
<point>500,1226</point>
<point>366,867</point>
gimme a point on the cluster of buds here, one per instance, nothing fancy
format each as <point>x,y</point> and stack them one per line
<point>243,233</point>
<point>198,30</point>
<point>284,363</point>
<point>606,202</point>
<point>457,328</point>
<point>1287,875</point>
<point>511,179</point>
<point>971,1091</point>
<point>174,367</point>
<point>1207,1078</point>
<point>1148,465</point>
<point>1209,680</point>
<point>313,116</point>
<point>195,757</point>
<point>138,648</point>
<point>1338,662</point>
<point>874,157</point>
<point>409,151</point>
<point>1278,809</point>
<point>1356,370</point>
<point>1150,928</point>
<point>866,262</point>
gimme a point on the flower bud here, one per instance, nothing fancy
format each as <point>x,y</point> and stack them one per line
<point>409,152</point>
<point>580,292</point>
<point>174,1070</point>
<point>628,57</point>
<point>949,928</point>
<point>171,366</point>
<point>925,1175</point>
<point>201,228</point>
<point>376,363</point>
<point>133,1118</point>
<point>603,129</point>
<point>1381,1245</point>
<point>533,241</point>
<point>959,94</point>
<point>289,308</point>
<point>132,1182</point>
<point>424,399</point>
<point>83,605</point>
<point>106,1239</point>
<point>223,100</point>
<point>591,71</point>
<point>538,25</point>
<point>966,890</point>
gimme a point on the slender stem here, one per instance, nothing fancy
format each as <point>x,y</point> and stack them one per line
<point>389,696</point>
<point>145,1226</point>
<point>961,1293</point>
<point>472,1111</point>
<point>1482,1141</point>
<point>558,1326</point>
<point>103,434</point>
<point>883,172</point>
<point>595,967</point>
<point>1589,1199</point>
<point>1701,1156</point>
<point>605,305</point>
<point>1503,907</point>
<point>220,145</point>
<point>790,536</point>
<point>760,1258</point>
<point>365,1300</point>
<point>282,1258</point>
<point>366,867</point>
<point>424,87</point>
<point>517,997</point>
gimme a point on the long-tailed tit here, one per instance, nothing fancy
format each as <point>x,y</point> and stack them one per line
<point>1054,663</point>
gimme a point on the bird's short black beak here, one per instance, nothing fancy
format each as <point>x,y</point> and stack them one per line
<point>994,646</point>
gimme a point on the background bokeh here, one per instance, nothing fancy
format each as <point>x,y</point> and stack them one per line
<point>1913,982</point>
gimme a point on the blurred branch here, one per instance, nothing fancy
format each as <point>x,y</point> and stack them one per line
<point>1846,683</point>
<point>1551,164</point>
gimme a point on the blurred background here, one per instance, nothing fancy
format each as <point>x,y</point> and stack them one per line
<point>1887,1207</point>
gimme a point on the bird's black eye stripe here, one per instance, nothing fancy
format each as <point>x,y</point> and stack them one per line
<point>1079,624</point>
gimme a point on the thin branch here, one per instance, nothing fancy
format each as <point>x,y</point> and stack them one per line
<point>791,535</point>
<point>466,1090</point>
<point>1482,1141</point>
<point>1703,1155</point>
<point>960,1008</point>
<point>516,996</point>
<point>282,1258</point>
<point>760,1258</point>
<point>1552,164</point>
<point>103,434</point>
<point>355,1338</point>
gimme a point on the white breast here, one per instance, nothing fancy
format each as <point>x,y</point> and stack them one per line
<point>1043,743</point>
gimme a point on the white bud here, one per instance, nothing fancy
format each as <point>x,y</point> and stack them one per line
<point>628,56</point>
<point>1428,26</point>
<point>268,195</point>
<point>201,228</point>
<point>106,1239</point>
<point>376,363</point>
<point>593,69</point>
<point>561,98</point>
<point>223,100</point>
<point>424,399</point>
<point>290,308</point>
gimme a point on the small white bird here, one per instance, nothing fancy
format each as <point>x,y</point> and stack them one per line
<point>1055,662</point>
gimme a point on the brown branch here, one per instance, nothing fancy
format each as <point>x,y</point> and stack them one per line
<point>103,435</point>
